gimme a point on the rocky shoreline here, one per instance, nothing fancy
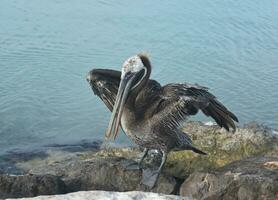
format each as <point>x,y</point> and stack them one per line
<point>240,165</point>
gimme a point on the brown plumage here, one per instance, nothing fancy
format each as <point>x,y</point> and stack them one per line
<point>149,114</point>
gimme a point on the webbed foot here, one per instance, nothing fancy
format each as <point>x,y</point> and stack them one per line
<point>150,177</point>
<point>130,165</point>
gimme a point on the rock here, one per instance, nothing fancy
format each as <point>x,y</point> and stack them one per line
<point>19,161</point>
<point>85,169</point>
<point>222,147</point>
<point>88,171</point>
<point>104,195</point>
<point>30,185</point>
<point>248,179</point>
<point>102,173</point>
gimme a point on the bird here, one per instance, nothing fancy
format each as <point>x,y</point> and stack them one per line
<point>152,115</point>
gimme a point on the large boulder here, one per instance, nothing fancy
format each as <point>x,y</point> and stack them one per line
<point>253,178</point>
<point>30,185</point>
<point>222,147</point>
<point>104,195</point>
<point>103,173</point>
<point>106,169</point>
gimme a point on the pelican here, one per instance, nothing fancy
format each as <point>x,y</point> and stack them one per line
<point>151,115</point>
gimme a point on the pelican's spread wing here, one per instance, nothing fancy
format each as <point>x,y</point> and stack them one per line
<point>105,84</point>
<point>178,101</point>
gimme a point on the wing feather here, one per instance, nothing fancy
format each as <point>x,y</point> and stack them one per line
<point>105,83</point>
<point>178,101</point>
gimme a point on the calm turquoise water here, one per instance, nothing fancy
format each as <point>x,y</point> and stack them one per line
<point>47,47</point>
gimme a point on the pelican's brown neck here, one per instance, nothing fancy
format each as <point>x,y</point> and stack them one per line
<point>133,94</point>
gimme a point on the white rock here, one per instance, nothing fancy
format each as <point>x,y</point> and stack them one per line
<point>105,195</point>
<point>275,132</point>
<point>209,123</point>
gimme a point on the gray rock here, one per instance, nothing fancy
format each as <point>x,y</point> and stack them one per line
<point>253,178</point>
<point>102,173</point>
<point>222,147</point>
<point>102,170</point>
<point>30,185</point>
<point>104,195</point>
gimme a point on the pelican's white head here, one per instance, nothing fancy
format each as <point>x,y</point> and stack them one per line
<point>132,65</point>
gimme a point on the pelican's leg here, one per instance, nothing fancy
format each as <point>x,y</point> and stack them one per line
<point>132,165</point>
<point>145,153</point>
<point>150,177</point>
<point>163,160</point>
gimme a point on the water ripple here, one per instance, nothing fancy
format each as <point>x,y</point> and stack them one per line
<point>46,49</point>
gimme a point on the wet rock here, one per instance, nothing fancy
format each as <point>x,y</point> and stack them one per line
<point>102,173</point>
<point>30,185</point>
<point>20,161</point>
<point>253,178</point>
<point>222,147</point>
<point>96,195</point>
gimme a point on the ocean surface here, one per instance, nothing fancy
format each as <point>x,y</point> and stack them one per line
<point>47,48</point>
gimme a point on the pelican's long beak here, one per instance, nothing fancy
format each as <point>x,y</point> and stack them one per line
<point>124,88</point>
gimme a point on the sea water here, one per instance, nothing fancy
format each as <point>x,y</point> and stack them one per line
<point>47,48</point>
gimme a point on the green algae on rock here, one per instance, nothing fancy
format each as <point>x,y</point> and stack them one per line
<point>222,147</point>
